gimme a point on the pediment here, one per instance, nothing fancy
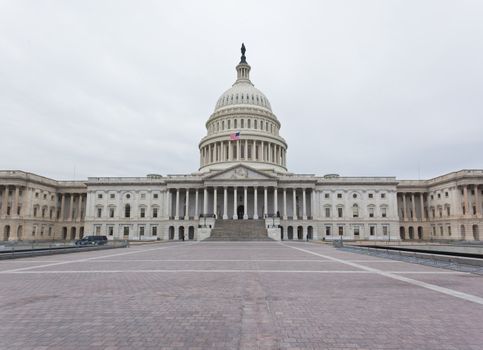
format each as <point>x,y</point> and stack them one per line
<point>240,172</point>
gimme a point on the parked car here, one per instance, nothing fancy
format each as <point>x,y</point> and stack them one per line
<point>92,240</point>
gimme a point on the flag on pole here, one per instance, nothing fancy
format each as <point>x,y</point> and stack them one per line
<point>235,136</point>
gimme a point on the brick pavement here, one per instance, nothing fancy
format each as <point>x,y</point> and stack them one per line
<point>251,295</point>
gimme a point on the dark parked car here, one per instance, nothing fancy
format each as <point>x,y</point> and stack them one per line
<point>92,240</point>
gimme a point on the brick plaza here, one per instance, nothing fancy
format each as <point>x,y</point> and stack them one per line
<point>235,295</point>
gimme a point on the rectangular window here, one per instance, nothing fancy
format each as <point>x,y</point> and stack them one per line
<point>99,212</point>
<point>110,230</point>
<point>126,231</point>
<point>143,212</point>
<point>371,195</point>
<point>99,196</point>
<point>383,212</point>
<point>385,230</point>
<point>111,212</point>
<point>371,212</point>
<point>98,230</point>
<point>155,196</point>
<point>154,230</point>
<point>155,212</point>
<point>141,231</point>
<point>341,230</point>
<point>474,210</point>
<point>327,212</point>
<point>8,210</point>
<point>449,230</point>
<point>50,231</point>
<point>35,212</point>
<point>446,194</point>
<point>112,196</point>
<point>383,195</point>
<point>448,212</point>
<point>339,195</point>
<point>143,195</point>
<point>327,230</point>
<point>372,230</point>
<point>327,195</point>
<point>339,212</point>
<point>356,231</point>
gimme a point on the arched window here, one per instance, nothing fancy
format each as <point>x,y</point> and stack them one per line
<point>235,123</point>
<point>249,123</point>
<point>242,123</point>
<point>255,124</point>
<point>127,211</point>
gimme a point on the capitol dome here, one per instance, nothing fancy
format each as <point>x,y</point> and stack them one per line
<point>243,129</point>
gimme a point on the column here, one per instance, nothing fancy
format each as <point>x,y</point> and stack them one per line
<point>230,153</point>
<point>265,202</point>
<point>465,198</point>
<point>238,149</point>
<point>62,204</point>
<point>262,153</point>
<point>205,202</point>
<point>215,202</point>
<point>245,204</point>
<point>176,209</point>
<point>255,203</point>
<point>477,201</point>
<point>253,150</point>
<point>71,208</point>
<point>225,203</point>
<point>13,211</point>
<point>313,211</point>
<point>304,206</point>
<point>405,212</point>
<point>285,204</point>
<point>246,150</point>
<point>187,205</point>
<point>79,208</point>
<point>413,207</point>
<point>5,201</point>
<point>196,205</point>
<point>168,203</point>
<point>294,205</point>
<point>421,203</point>
<point>235,216</point>
<point>275,200</point>
<point>223,157</point>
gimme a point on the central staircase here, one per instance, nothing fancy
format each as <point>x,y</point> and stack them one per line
<point>239,230</point>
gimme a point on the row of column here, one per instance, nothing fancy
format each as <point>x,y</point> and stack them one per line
<point>71,213</point>
<point>467,203</point>
<point>253,150</point>
<point>412,196</point>
<point>14,208</point>
<point>244,191</point>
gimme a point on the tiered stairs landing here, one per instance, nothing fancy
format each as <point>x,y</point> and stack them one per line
<point>239,230</point>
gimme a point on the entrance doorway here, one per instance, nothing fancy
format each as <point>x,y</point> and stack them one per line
<point>239,211</point>
<point>191,232</point>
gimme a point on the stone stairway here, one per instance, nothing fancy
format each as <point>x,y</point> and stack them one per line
<point>239,230</point>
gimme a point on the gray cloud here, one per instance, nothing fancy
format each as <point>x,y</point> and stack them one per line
<point>124,88</point>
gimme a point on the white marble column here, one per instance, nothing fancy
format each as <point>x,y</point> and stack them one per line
<point>275,201</point>
<point>413,207</point>
<point>196,205</point>
<point>262,151</point>
<point>405,211</point>
<point>285,204</point>
<point>246,150</point>
<point>421,203</point>
<point>5,201</point>
<point>477,201</point>
<point>187,205</point>
<point>79,208</point>
<point>13,212</point>
<point>215,202</point>
<point>294,204</point>
<point>255,203</point>
<point>176,210</point>
<point>265,202</point>
<point>465,198</point>
<point>225,203</point>
<point>168,203</point>
<point>235,216</point>
<point>245,203</point>
<point>304,205</point>
<point>205,202</point>
<point>238,147</point>
<point>71,207</point>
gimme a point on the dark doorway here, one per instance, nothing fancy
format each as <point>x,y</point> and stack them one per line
<point>310,231</point>
<point>239,211</point>
<point>281,232</point>
<point>290,232</point>
<point>300,232</point>
<point>191,232</point>
<point>181,233</point>
<point>72,233</point>
<point>420,232</point>
<point>64,233</point>
<point>171,232</point>
<point>402,232</point>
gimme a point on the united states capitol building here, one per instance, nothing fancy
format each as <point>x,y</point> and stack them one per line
<point>243,182</point>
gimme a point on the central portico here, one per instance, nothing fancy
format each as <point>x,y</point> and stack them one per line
<point>240,193</point>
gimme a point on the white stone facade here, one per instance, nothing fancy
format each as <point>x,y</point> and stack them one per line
<point>243,175</point>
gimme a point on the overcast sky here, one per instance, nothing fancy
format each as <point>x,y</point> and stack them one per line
<point>124,88</point>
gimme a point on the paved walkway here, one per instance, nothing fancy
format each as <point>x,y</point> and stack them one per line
<point>253,295</point>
